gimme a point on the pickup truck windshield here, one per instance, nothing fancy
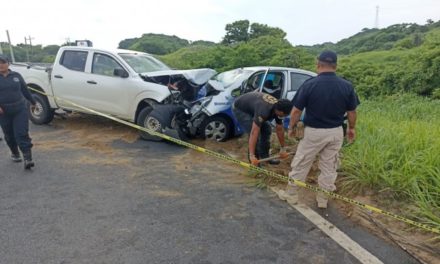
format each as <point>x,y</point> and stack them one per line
<point>143,63</point>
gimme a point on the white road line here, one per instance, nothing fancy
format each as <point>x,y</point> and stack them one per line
<point>334,233</point>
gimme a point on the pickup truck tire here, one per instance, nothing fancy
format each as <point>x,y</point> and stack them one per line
<point>42,113</point>
<point>145,120</point>
<point>216,128</point>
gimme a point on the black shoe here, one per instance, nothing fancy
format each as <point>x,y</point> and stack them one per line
<point>16,157</point>
<point>28,164</point>
<point>274,162</point>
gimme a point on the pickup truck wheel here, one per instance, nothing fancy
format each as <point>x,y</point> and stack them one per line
<point>216,128</point>
<point>42,113</point>
<point>150,122</point>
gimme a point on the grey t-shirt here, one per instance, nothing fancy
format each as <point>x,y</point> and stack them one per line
<point>259,106</point>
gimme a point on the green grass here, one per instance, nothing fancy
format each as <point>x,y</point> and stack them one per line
<point>397,152</point>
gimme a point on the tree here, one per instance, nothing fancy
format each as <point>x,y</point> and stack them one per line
<point>258,30</point>
<point>159,44</point>
<point>237,31</point>
<point>126,43</point>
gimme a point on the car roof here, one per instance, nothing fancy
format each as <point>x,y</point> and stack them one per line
<point>277,68</point>
<point>114,51</point>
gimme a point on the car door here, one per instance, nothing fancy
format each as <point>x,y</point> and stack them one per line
<point>253,83</point>
<point>296,79</point>
<point>69,78</point>
<point>274,83</point>
<point>107,90</point>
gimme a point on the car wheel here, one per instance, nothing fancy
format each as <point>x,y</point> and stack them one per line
<point>216,128</point>
<point>42,113</point>
<point>149,122</point>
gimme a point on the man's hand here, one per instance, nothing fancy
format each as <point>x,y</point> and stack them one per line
<point>283,153</point>
<point>351,135</point>
<point>292,132</point>
<point>254,160</point>
<point>1,111</point>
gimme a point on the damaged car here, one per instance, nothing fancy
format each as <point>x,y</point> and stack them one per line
<point>210,115</point>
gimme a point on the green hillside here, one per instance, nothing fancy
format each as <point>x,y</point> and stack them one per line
<point>400,69</point>
<point>395,36</point>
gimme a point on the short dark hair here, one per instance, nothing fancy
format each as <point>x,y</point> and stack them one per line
<point>327,64</point>
<point>284,106</point>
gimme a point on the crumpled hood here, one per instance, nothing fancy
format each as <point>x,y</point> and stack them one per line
<point>196,76</point>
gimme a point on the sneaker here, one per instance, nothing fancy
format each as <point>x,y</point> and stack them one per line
<point>322,200</point>
<point>28,164</point>
<point>16,157</point>
<point>274,162</point>
<point>290,197</point>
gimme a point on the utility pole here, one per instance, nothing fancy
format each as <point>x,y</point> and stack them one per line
<point>376,20</point>
<point>30,43</point>
<point>10,47</point>
<point>27,49</point>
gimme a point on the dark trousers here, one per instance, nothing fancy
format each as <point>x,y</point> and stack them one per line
<point>15,125</point>
<point>263,144</point>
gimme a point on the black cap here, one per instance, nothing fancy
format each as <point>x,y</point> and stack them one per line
<point>328,56</point>
<point>4,59</point>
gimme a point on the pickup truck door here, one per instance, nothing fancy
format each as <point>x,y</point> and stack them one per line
<point>69,78</point>
<point>108,85</point>
<point>88,79</point>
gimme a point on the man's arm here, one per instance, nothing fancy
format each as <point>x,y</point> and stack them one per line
<point>279,129</point>
<point>253,137</point>
<point>295,115</point>
<point>351,129</point>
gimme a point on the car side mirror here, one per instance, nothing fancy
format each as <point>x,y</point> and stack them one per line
<point>236,92</point>
<point>120,72</point>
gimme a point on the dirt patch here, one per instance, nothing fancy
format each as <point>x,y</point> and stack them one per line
<point>422,245</point>
<point>93,133</point>
<point>166,193</point>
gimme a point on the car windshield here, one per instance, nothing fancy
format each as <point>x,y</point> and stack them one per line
<point>230,77</point>
<point>143,63</point>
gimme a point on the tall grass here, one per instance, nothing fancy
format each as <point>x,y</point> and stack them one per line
<point>397,152</point>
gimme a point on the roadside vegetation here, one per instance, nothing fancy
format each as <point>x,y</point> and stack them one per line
<point>397,154</point>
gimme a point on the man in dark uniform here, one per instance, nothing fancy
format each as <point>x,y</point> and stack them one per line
<point>326,99</point>
<point>14,113</point>
<point>254,111</point>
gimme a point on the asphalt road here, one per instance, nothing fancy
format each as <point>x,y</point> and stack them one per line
<point>90,200</point>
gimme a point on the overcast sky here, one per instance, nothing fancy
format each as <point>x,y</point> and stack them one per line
<point>106,23</point>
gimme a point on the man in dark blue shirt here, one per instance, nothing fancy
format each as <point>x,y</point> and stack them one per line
<point>326,99</point>
<point>14,113</point>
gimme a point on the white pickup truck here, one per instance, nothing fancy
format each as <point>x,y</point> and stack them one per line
<point>122,83</point>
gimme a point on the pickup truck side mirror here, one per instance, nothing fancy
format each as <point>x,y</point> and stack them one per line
<point>120,72</point>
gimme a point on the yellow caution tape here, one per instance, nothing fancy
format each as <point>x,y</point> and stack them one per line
<point>250,166</point>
